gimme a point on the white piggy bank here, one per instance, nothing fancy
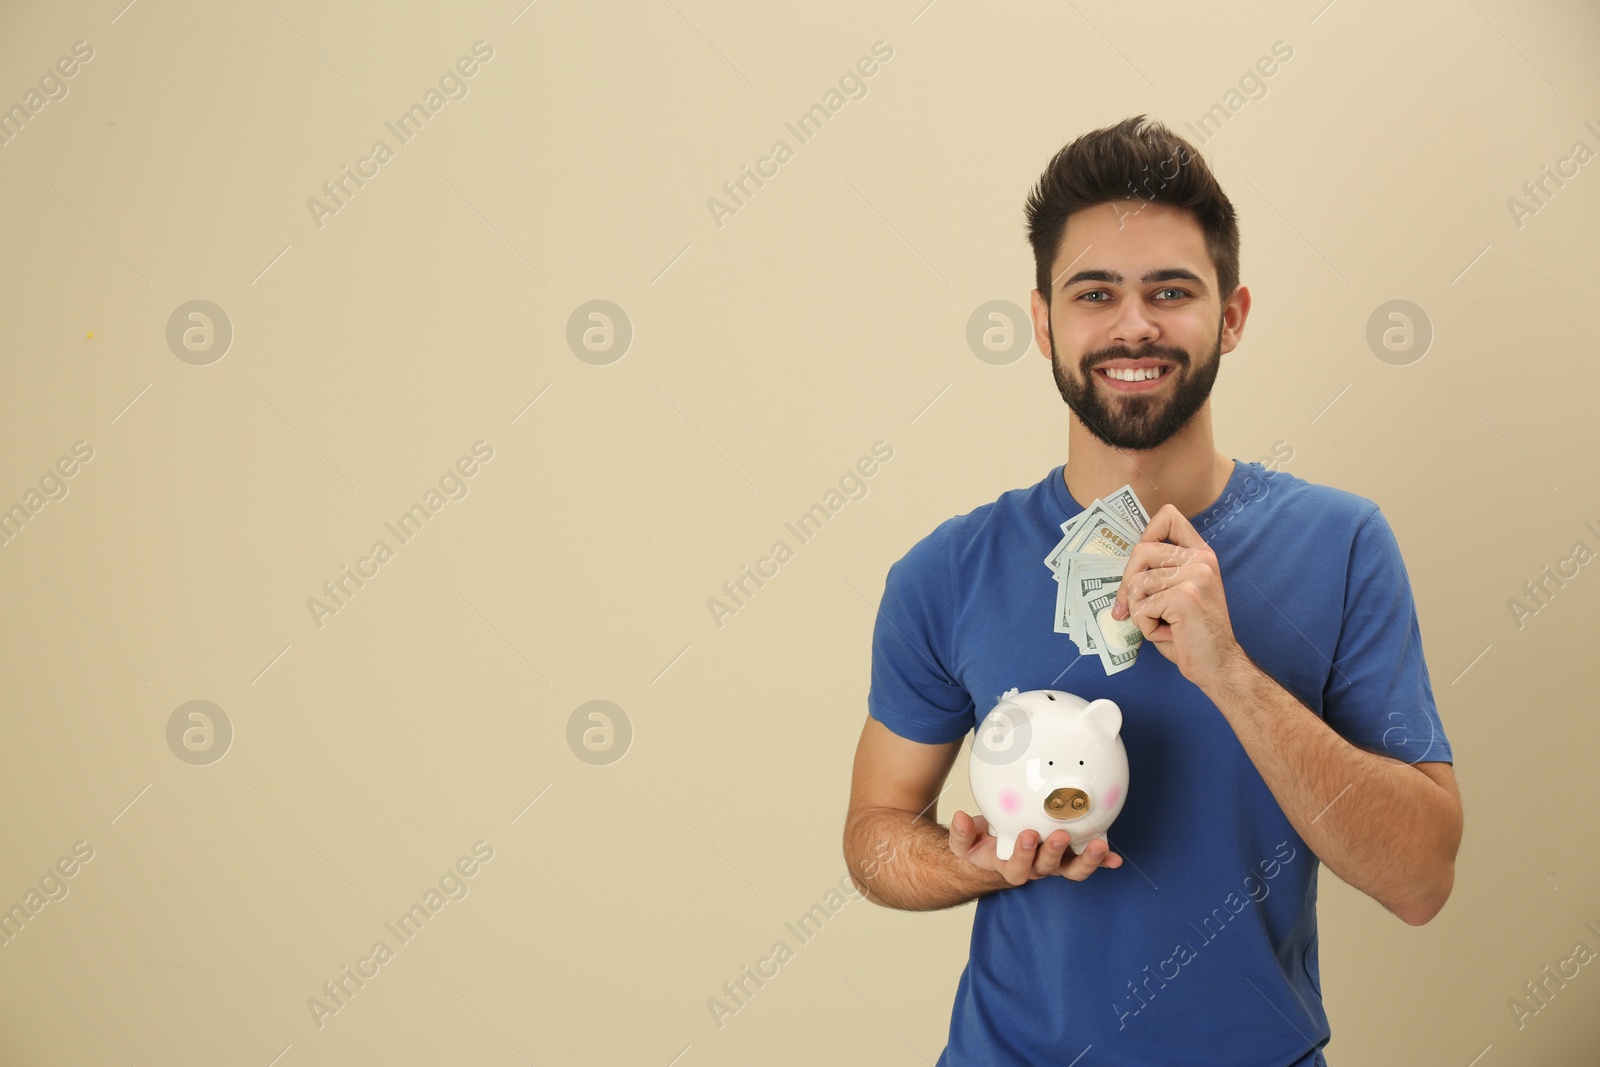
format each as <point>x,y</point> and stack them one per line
<point>1047,760</point>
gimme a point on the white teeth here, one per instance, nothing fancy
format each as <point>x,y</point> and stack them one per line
<point>1136,375</point>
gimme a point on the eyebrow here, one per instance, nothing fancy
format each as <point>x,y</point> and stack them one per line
<point>1165,274</point>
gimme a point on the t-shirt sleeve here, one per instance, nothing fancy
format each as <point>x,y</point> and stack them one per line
<point>1378,694</point>
<point>913,691</point>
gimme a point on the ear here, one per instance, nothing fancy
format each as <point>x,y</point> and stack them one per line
<point>1104,715</point>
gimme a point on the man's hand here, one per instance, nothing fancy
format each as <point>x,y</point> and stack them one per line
<point>1173,592</point>
<point>970,839</point>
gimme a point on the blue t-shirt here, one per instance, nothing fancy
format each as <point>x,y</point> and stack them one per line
<point>1201,948</point>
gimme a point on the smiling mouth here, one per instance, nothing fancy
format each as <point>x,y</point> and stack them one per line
<point>1136,374</point>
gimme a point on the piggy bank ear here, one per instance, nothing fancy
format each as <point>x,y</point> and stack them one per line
<point>1105,715</point>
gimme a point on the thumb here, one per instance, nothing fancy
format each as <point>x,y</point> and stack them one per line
<point>966,825</point>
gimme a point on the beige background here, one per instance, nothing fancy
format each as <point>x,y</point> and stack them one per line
<point>370,753</point>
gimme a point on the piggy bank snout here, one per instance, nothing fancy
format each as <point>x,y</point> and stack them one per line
<point>1066,804</point>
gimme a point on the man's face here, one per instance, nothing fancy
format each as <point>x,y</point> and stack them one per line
<point>1134,291</point>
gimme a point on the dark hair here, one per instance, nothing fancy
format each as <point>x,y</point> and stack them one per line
<point>1137,158</point>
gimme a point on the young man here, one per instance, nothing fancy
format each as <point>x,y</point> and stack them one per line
<point>1279,714</point>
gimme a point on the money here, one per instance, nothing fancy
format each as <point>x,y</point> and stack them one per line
<point>1088,563</point>
<point>1117,642</point>
<point>1125,502</point>
<point>1098,531</point>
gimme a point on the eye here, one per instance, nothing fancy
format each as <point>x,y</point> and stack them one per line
<point>1178,294</point>
<point>1080,763</point>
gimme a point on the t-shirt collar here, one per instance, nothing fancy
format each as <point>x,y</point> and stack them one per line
<point>1070,507</point>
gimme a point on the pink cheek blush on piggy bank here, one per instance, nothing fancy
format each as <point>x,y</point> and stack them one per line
<point>1046,760</point>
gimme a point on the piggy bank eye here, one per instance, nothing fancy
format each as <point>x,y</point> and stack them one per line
<point>1080,763</point>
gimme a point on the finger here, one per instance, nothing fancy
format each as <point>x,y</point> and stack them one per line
<point>1170,605</point>
<point>966,832</point>
<point>1048,860</point>
<point>1168,524</point>
<point>1019,868</point>
<point>1164,553</point>
<point>1155,616</point>
<point>1096,855</point>
<point>1148,558</point>
<point>1155,577</point>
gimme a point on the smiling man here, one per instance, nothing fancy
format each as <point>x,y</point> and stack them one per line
<point>1279,718</point>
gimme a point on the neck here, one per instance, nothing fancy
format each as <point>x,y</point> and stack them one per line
<point>1185,471</point>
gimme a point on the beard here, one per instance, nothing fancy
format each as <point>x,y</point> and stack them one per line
<point>1138,421</point>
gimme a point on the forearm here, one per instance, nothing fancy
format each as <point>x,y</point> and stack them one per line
<point>1378,823</point>
<point>903,861</point>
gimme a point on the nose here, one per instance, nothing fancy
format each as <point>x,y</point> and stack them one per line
<point>1066,804</point>
<point>1133,328</point>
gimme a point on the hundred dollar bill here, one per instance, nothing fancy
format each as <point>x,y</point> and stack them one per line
<point>1067,596</point>
<point>1094,533</point>
<point>1050,560</point>
<point>1068,604</point>
<point>1098,530</point>
<point>1116,642</point>
<point>1089,574</point>
<point>1102,531</point>
<point>1063,622</point>
<point>1088,564</point>
<point>1126,504</point>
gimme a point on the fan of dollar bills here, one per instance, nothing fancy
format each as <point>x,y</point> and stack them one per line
<point>1088,563</point>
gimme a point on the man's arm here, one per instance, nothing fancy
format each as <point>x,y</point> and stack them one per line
<point>901,857</point>
<point>1388,828</point>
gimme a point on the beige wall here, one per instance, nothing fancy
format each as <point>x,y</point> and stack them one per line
<point>373,346</point>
